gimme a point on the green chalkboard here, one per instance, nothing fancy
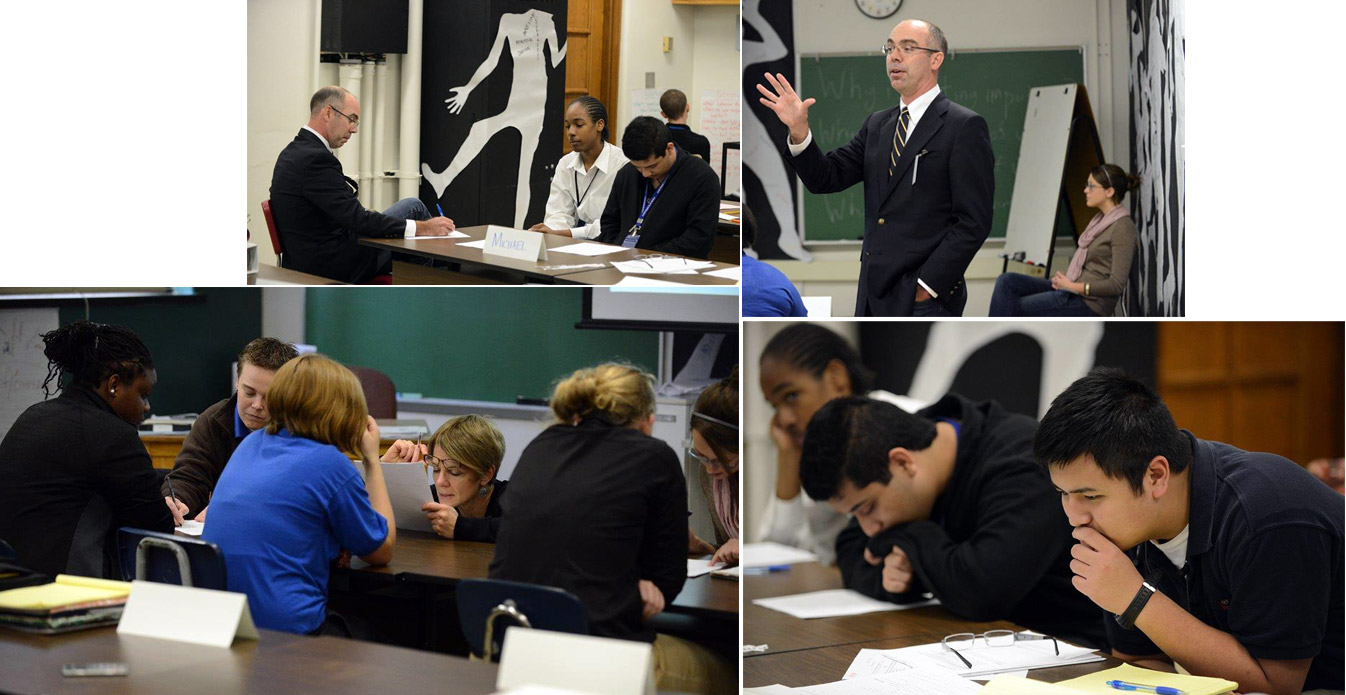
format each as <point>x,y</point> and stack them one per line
<point>995,84</point>
<point>469,343</point>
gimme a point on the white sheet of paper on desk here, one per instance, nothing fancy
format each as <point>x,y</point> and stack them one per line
<point>696,568</point>
<point>653,265</point>
<point>826,604</point>
<point>192,528</point>
<point>588,248</point>
<point>734,273</point>
<point>455,234</point>
<point>985,660</point>
<point>915,681</point>
<point>638,281</point>
<point>774,689</point>
<point>479,244</point>
<point>769,554</point>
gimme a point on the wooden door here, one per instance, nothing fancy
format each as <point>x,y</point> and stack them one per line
<point>592,34</point>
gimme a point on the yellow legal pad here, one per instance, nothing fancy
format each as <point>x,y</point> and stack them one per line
<point>1096,683</point>
<point>67,590</point>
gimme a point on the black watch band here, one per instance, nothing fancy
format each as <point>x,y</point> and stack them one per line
<point>1128,618</point>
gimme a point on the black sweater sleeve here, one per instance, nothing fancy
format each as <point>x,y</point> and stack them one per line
<point>859,575</point>
<point>703,207</point>
<point>125,476</point>
<point>663,555</point>
<point>483,530</point>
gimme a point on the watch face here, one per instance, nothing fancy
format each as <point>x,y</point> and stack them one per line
<point>878,9</point>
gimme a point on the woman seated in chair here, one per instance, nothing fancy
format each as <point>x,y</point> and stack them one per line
<point>715,447</point>
<point>598,507</point>
<point>466,455</point>
<point>289,500</point>
<point>1099,269</point>
<point>74,466</point>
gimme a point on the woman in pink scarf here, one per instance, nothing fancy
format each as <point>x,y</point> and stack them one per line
<point>1099,269</point>
<point>715,447</point>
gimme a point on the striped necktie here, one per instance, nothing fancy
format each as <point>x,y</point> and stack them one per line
<point>899,139</point>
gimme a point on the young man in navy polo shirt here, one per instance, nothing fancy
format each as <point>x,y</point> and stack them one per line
<point>1225,562</point>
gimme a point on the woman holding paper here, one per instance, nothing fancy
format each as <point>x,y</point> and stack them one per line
<point>583,179</point>
<point>464,454</point>
<point>598,507</point>
<point>289,500</point>
<point>715,447</point>
<point>1099,269</point>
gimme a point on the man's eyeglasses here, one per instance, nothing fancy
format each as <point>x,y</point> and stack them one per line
<point>908,49</point>
<point>355,120</point>
<point>993,638</point>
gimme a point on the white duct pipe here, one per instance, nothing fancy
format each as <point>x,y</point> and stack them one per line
<point>369,104</point>
<point>350,75</point>
<point>380,132</point>
<point>317,47</point>
<point>408,160</point>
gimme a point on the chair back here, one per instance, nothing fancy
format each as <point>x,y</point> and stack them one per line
<point>487,608</point>
<point>380,393</point>
<point>161,557</point>
<point>271,227</point>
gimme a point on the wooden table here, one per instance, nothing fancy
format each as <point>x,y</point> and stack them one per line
<point>164,448</point>
<point>277,275</point>
<point>277,663</point>
<point>808,652</point>
<point>551,271</point>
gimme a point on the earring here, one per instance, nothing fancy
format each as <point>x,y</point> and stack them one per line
<point>483,490</point>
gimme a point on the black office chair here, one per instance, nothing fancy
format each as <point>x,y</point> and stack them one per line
<point>169,559</point>
<point>485,603</point>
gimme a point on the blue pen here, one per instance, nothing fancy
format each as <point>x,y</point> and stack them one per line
<point>766,569</point>
<point>1158,689</point>
<point>440,209</point>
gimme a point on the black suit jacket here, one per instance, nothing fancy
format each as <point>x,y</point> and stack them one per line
<point>689,140</point>
<point>318,217</point>
<point>930,229</point>
<point>682,220</point>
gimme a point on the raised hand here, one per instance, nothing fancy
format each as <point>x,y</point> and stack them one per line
<point>786,104</point>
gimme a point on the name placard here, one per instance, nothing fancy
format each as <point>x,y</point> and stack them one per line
<point>519,244</point>
<point>185,614</point>
<point>596,665</point>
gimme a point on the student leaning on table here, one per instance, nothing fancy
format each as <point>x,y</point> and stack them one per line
<point>1225,562</point>
<point>74,466</point>
<point>715,447</point>
<point>947,501</point>
<point>598,507</point>
<point>467,451</point>
<point>289,501</point>
<point>583,179</point>
<point>801,368</point>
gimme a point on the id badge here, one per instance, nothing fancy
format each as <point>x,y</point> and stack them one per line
<point>631,240</point>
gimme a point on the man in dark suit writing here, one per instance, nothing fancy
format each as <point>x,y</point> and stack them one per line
<point>318,217</point>
<point>927,168</point>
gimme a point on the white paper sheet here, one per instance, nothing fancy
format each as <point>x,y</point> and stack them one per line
<point>985,660</point>
<point>455,234</point>
<point>735,273</point>
<point>915,681</point>
<point>192,528</point>
<point>827,604</point>
<point>480,244</point>
<point>770,554</point>
<point>588,248</point>
<point>638,281</point>
<point>696,568</point>
<point>655,265</point>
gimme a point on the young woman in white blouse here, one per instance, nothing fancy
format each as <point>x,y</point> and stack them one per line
<point>583,179</point>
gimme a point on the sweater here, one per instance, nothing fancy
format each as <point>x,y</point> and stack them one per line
<point>681,220</point>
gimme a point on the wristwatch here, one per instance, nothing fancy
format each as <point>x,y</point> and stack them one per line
<point>1128,618</point>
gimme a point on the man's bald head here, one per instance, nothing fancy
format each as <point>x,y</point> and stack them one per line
<point>331,95</point>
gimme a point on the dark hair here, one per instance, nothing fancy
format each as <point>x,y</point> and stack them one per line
<point>89,353</point>
<point>645,137</point>
<point>1116,178</point>
<point>673,103</point>
<point>811,347</point>
<point>720,401</point>
<point>597,112</point>
<point>1115,419</point>
<point>852,436</point>
<point>749,227</point>
<point>267,353</point>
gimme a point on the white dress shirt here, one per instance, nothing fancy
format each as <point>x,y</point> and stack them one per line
<point>577,196</point>
<point>915,109</point>
<point>411,224</point>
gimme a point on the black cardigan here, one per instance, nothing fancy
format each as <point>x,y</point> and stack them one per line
<point>487,527</point>
<point>74,472</point>
<point>594,508</point>
<point>997,544</point>
<point>682,220</point>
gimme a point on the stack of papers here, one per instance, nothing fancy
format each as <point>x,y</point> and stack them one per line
<point>833,603</point>
<point>1192,685</point>
<point>772,554</point>
<point>69,603</point>
<point>696,568</point>
<point>661,265</point>
<point>909,682</point>
<point>985,660</point>
<point>455,234</point>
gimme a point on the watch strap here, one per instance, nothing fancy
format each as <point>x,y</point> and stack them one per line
<point>1128,617</point>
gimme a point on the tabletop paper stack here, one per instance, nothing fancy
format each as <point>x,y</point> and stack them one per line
<point>67,604</point>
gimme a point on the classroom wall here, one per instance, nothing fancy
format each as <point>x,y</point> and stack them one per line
<point>704,40</point>
<point>1098,25</point>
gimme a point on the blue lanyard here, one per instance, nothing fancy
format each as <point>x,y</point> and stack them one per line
<point>649,201</point>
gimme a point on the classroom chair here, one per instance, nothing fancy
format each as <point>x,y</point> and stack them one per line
<point>485,603</point>
<point>271,227</point>
<point>170,559</point>
<point>380,393</point>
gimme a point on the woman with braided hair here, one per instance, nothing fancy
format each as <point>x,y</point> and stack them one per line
<point>583,178</point>
<point>74,467</point>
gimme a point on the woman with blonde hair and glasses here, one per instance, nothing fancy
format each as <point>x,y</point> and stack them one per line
<point>598,507</point>
<point>289,500</point>
<point>465,455</point>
